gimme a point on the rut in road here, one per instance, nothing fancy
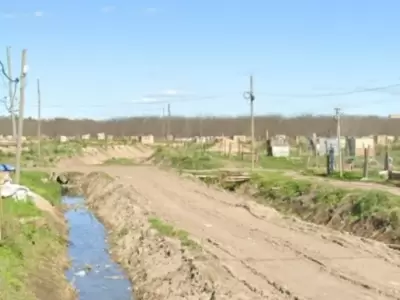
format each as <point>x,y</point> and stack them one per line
<point>272,256</point>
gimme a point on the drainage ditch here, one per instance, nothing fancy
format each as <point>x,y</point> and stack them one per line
<point>92,273</point>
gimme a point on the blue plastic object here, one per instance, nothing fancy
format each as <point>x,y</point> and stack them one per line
<point>6,168</point>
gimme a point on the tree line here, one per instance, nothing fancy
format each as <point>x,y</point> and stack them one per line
<point>210,126</point>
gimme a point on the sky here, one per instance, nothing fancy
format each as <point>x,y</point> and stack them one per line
<point>104,59</point>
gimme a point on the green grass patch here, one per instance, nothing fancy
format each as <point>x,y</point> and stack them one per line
<point>169,231</point>
<point>304,197</point>
<point>190,159</point>
<point>39,183</point>
<point>120,161</point>
<point>26,240</point>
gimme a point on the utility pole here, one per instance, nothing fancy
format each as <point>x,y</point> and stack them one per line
<point>338,135</point>
<point>11,95</point>
<point>163,130</point>
<point>168,120</point>
<point>20,116</point>
<point>39,120</point>
<point>250,96</point>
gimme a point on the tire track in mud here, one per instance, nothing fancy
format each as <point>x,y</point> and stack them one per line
<point>306,254</point>
<point>283,290</point>
<point>381,251</point>
<point>284,293</point>
<point>279,288</point>
<point>331,270</point>
<point>187,204</point>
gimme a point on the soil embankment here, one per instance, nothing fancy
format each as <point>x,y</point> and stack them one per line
<point>33,246</point>
<point>100,155</point>
<point>233,248</point>
<point>47,275</point>
<point>162,261</point>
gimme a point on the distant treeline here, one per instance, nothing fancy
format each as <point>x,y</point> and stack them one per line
<point>211,126</point>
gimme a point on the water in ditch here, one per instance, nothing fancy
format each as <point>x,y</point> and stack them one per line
<point>93,272</point>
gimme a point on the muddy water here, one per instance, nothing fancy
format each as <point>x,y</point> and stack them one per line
<point>92,272</point>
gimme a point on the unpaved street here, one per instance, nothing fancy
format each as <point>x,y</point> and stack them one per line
<point>264,255</point>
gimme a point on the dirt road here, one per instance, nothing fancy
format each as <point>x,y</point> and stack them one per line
<point>265,255</point>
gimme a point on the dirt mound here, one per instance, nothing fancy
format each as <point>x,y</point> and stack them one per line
<point>161,267</point>
<point>99,155</point>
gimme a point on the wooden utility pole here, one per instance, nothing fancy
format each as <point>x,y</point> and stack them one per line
<point>168,120</point>
<point>339,144</point>
<point>20,117</point>
<point>163,129</point>
<point>11,95</point>
<point>252,123</point>
<point>39,120</point>
<point>250,96</point>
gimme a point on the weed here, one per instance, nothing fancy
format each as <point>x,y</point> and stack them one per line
<point>169,231</point>
<point>120,161</point>
<point>26,240</point>
<point>39,183</point>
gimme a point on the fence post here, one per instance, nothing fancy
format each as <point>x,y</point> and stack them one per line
<point>366,156</point>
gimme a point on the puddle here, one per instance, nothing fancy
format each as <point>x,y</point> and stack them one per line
<point>93,272</point>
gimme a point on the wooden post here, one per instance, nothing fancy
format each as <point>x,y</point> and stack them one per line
<point>366,156</point>
<point>20,118</point>
<point>39,124</point>
<point>386,159</point>
<point>11,95</point>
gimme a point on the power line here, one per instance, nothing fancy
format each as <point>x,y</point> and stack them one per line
<point>3,71</point>
<point>335,94</point>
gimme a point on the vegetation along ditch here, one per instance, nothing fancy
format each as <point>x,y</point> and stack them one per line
<point>366,213</point>
<point>47,255</point>
<point>33,244</point>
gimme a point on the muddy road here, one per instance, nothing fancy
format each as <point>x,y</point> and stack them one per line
<point>262,254</point>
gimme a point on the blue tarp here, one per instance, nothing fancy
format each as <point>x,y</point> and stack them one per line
<point>6,168</point>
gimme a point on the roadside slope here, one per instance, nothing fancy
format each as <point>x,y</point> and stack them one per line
<point>258,252</point>
<point>33,247</point>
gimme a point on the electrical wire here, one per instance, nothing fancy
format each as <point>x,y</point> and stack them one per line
<point>356,91</point>
<point>3,71</point>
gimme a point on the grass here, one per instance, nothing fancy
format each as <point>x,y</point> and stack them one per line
<point>193,159</point>
<point>169,231</point>
<point>51,152</point>
<point>27,240</point>
<point>38,182</point>
<point>304,197</point>
<point>120,161</point>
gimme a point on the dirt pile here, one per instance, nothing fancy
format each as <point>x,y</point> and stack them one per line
<point>161,265</point>
<point>99,155</point>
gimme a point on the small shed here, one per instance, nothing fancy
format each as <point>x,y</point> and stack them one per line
<point>278,148</point>
<point>101,136</point>
<point>357,146</point>
<point>147,139</point>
